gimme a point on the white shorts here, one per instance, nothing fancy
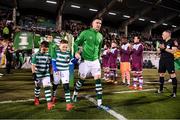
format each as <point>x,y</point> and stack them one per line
<point>61,75</point>
<point>89,68</point>
<point>45,81</point>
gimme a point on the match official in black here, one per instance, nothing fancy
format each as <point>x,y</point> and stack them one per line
<point>167,49</point>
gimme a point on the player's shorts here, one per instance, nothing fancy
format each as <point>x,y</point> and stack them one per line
<point>105,64</point>
<point>89,68</point>
<point>166,64</point>
<point>113,66</point>
<point>125,66</point>
<point>136,67</point>
<point>45,81</point>
<point>61,75</point>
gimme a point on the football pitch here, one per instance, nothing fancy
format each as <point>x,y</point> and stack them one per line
<point>17,93</point>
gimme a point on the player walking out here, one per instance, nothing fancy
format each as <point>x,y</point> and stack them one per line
<point>60,64</point>
<point>91,42</point>
<point>41,68</point>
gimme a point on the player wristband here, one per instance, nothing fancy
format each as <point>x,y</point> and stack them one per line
<point>74,60</point>
<point>54,66</point>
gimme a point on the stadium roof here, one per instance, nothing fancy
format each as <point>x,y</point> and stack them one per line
<point>140,14</point>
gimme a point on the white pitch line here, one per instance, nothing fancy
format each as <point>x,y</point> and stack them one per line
<point>156,82</point>
<point>19,101</point>
<point>151,82</point>
<point>29,100</point>
<point>133,91</point>
<point>110,111</point>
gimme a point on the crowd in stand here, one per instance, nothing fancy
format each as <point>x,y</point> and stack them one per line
<point>110,34</point>
<point>29,23</point>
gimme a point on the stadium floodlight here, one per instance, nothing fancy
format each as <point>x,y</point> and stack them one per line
<point>165,24</point>
<point>94,10</point>
<point>141,19</point>
<point>174,26</point>
<point>51,2</point>
<point>126,16</point>
<point>153,21</point>
<point>75,6</point>
<point>112,13</point>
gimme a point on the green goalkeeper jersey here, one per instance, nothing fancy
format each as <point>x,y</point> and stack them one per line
<point>91,42</point>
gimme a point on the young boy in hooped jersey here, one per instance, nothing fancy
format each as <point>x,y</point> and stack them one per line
<point>60,63</point>
<point>41,69</point>
<point>137,64</point>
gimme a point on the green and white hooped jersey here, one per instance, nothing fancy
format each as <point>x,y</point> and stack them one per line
<point>42,62</point>
<point>62,60</point>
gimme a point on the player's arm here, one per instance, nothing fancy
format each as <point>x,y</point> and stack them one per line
<point>33,66</point>
<point>100,46</point>
<point>33,63</point>
<point>53,63</point>
<point>172,51</point>
<point>115,53</point>
<point>78,42</point>
<point>50,66</point>
<point>51,69</point>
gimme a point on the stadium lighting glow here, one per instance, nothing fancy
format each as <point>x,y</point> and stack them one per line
<point>111,13</point>
<point>75,6</point>
<point>174,26</point>
<point>153,21</point>
<point>94,10</point>
<point>141,19</point>
<point>51,2</point>
<point>126,16</point>
<point>164,24</point>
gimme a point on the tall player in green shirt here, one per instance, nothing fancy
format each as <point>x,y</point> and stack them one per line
<point>91,42</point>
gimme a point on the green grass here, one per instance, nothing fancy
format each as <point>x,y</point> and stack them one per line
<point>141,105</point>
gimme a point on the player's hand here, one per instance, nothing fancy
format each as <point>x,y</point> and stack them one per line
<point>74,60</point>
<point>130,46</point>
<point>158,50</point>
<point>108,50</point>
<point>77,55</point>
<point>161,46</point>
<point>34,77</point>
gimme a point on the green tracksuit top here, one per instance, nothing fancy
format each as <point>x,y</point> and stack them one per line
<point>91,42</point>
